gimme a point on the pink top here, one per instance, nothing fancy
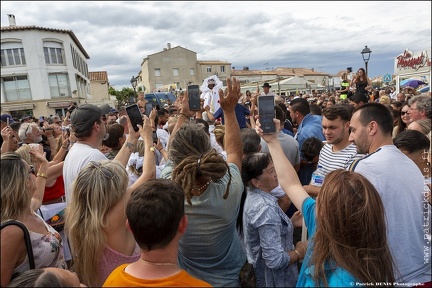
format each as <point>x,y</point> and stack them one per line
<point>111,259</point>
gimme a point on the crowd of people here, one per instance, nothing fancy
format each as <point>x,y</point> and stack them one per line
<point>338,196</point>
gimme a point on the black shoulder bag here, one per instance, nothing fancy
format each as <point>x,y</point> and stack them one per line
<point>26,239</point>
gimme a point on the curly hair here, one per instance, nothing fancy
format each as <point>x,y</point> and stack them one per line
<point>193,157</point>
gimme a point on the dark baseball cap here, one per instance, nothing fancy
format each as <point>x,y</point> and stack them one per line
<point>85,115</point>
<point>4,118</point>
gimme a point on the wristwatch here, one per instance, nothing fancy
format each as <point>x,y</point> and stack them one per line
<point>153,149</point>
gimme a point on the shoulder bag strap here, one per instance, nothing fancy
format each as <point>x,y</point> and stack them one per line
<point>26,239</point>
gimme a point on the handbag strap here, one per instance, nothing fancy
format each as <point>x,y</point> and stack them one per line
<point>26,239</point>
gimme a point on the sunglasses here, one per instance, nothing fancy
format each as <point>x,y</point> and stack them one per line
<point>107,173</point>
<point>32,170</point>
<point>404,112</point>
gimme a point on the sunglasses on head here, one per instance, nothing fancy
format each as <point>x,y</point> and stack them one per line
<point>107,173</point>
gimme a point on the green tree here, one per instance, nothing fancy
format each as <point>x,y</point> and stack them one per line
<point>124,96</point>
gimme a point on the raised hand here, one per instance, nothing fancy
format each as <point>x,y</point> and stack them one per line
<point>268,137</point>
<point>232,97</point>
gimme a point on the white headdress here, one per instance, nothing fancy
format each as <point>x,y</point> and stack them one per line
<point>136,160</point>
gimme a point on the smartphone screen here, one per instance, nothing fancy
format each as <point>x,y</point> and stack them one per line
<point>266,112</point>
<point>135,116</point>
<point>155,137</point>
<point>194,98</point>
<point>148,109</point>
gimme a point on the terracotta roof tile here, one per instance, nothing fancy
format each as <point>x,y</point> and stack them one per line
<point>98,76</point>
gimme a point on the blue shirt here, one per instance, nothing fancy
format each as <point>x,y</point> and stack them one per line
<point>268,236</point>
<point>336,277</point>
<point>240,111</point>
<point>311,126</point>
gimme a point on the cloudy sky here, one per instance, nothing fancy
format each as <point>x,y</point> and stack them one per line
<point>327,36</point>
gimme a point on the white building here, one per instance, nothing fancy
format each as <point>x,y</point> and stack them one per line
<point>42,70</point>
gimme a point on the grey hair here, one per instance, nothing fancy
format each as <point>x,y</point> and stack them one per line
<point>24,130</point>
<point>423,103</point>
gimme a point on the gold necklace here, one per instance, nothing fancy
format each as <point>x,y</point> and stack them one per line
<point>159,263</point>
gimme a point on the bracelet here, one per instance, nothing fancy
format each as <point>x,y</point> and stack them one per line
<point>43,175</point>
<point>298,255</point>
<point>64,147</point>
<point>160,149</point>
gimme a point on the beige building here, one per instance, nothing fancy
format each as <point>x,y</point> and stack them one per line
<point>176,68</point>
<point>99,89</point>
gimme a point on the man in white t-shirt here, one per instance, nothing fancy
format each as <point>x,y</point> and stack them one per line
<point>401,187</point>
<point>89,129</point>
<point>338,152</point>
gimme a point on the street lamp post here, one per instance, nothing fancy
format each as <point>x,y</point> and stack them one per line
<point>134,81</point>
<point>366,56</point>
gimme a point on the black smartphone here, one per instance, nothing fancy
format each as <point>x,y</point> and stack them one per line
<point>194,98</point>
<point>155,137</point>
<point>135,116</point>
<point>266,112</point>
<point>148,109</point>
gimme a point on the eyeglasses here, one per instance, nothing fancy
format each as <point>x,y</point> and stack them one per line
<point>107,173</point>
<point>25,132</point>
<point>32,170</point>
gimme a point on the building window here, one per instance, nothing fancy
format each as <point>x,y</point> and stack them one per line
<point>53,52</point>
<point>157,72</point>
<point>209,69</point>
<point>16,88</point>
<point>59,85</point>
<point>222,69</point>
<point>192,72</point>
<point>53,55</point>
<point>176,72</point>
<point>12,57</point>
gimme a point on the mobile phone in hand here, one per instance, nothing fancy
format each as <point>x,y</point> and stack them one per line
<point>155,137</point>
<point>148,109</point>
<point>135,116</point>
<point>194,98</point>
<point>266,112</point>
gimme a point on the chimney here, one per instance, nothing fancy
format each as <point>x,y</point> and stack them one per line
<point>169,45</point>
<point>11,20</point>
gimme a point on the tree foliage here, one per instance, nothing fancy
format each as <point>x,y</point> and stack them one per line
<point>124,97</point>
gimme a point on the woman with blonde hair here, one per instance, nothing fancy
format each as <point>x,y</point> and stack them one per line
<point>21,195</point>
<point>346,226</point>
<point>96,217</point>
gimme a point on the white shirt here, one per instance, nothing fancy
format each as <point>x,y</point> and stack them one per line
<point>78,157</point>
